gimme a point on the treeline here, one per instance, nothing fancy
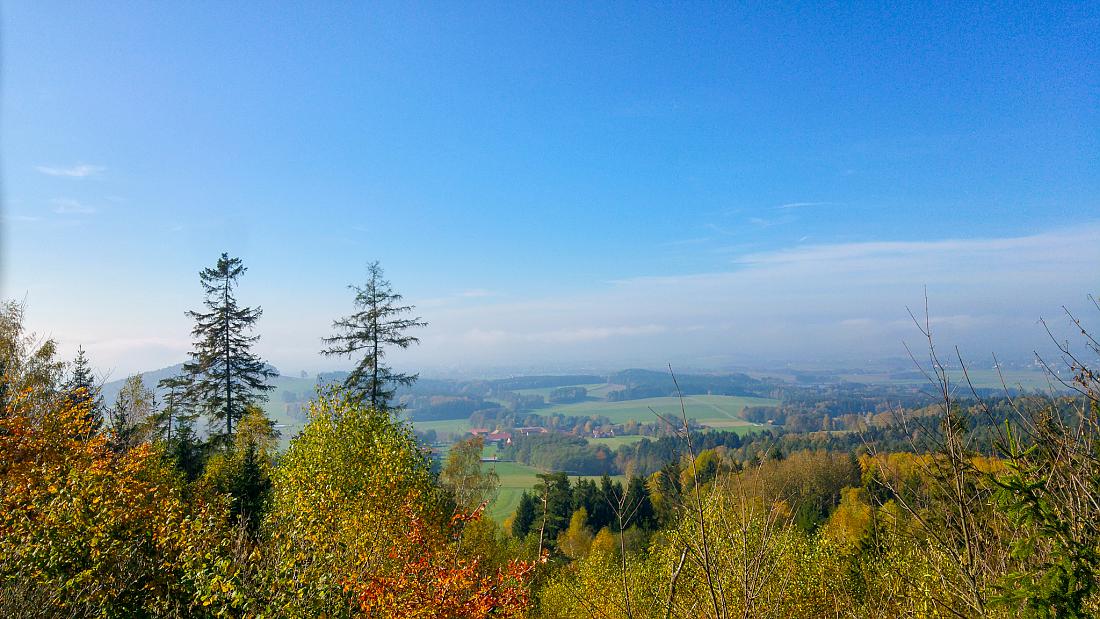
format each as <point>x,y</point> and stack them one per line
<point>557,511</point>
<point>566,395</point>
<point>914,431</point>
<point>946,531</point>
<point>575,425</point>
<point>561,452</point>
<point>639,384</point>
<point>431,408</point>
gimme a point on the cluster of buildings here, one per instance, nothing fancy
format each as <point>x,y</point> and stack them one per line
<point>502,439</point>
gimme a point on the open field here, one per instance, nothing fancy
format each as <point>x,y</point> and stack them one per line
<point>442,426</point>
<point>717,411</point>
<point>601,391</point>
<point>514,479</point>
<point>615,442</point>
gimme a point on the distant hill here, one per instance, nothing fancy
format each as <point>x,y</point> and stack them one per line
<point>284,404</point>
<point>650,384</point>
<point>537,382</point>
<point>151,378</point>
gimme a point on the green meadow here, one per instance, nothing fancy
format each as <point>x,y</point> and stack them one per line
<point>615,442</point>
<point>715,411</point>
<point>456,427</point>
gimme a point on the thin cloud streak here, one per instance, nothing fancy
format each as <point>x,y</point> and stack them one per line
<point>806,302</point>
<point>818,301</point>
<point>793,205</point>
<point>80,170</point>
<point>476,293</point>
<point>68,206</point>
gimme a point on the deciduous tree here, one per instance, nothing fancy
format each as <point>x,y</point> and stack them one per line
<point>464,477</point>
<point>30,372</point>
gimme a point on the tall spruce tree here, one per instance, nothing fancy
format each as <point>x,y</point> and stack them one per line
<point>81,389</point>
<point>223,376</point>
<point>524,518</point>
<point>380,321</point>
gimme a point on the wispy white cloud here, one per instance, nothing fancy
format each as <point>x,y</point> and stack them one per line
<point>68,206</point>
<point>720,229</point>
<point>20,218</point>
<point>80,170</point>
<point>685,242</point>
<point>1053,244</point>
<point>804,302</point>
<point>832,301</point>
<point>793,205</point>
<point>763,222</point>
<point>476,293</point>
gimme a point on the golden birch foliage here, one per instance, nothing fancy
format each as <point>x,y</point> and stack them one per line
<point>343,497</point>
<point>605,542</point>
<point>577,539</point>
<point>357,528</point>
<point>851,520</point>
<point>593,587</point>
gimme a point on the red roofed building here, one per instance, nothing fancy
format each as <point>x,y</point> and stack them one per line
<point>501,438</point>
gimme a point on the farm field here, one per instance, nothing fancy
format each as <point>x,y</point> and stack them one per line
<point>514,479</point>
<point>601,391</point>
<point>454,426</point>
<point>615,442</point>
<point>717,411</point>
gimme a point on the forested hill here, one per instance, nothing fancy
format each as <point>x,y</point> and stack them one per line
<point>638,384</point>
<point>150,379</point>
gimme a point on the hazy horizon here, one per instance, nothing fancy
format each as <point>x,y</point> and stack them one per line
<point>554,186</point>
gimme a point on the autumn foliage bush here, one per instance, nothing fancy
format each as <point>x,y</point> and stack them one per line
<point>357,524</point>
<point>85,531</point>
<point>354,528</point>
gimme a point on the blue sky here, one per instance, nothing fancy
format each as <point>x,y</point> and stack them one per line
<point>553,183</point>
